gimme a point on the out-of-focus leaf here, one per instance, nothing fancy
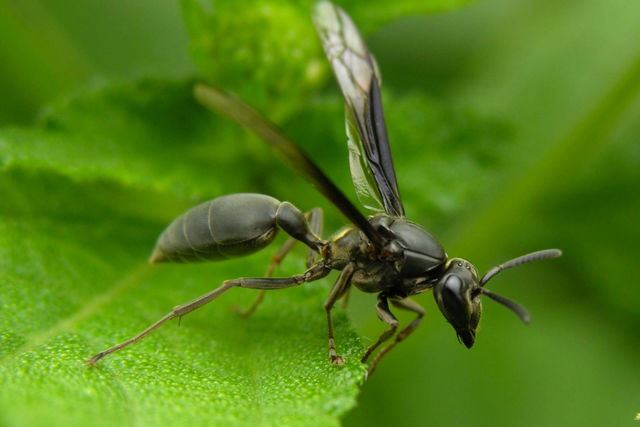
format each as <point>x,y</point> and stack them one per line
<point>565,75</point>
<point>149,135</point>
<point>445,156</point>
<point>596,210</point>
<point>269,51</point>
<point>53,47</point>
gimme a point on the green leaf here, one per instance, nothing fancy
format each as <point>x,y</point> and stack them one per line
<point>75,43</point>
<point>269,52</point>
<point>85,195</point>
<point>66,207</point>
<point>83,201</point>
<point>110,133</point>
<point>87,191</point>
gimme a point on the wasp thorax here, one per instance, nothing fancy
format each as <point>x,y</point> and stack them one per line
<point>418,252</point>
<point>457,294</point>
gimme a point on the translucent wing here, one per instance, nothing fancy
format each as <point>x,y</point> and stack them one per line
<point>361,174</point>
<point>356,72</point>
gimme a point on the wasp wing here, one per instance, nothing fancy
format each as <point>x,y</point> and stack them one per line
<point>356,72</point>
<point>361,174</point>
<point>243,114</point>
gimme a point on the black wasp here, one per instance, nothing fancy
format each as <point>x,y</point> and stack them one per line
<point>384,253</point>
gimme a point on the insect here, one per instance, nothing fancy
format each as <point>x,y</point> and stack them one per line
<point>384,253</point>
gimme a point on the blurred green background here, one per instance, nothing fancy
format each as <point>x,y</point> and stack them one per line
<point>549,93</point>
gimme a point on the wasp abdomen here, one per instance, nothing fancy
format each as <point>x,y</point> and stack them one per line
<point>225,227</point>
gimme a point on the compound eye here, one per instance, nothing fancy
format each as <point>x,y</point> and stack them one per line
<point>453,287</point>
<point>453,301</point>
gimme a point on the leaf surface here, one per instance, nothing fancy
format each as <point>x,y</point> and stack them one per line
<point>86,193</point>
<point>83,201</point>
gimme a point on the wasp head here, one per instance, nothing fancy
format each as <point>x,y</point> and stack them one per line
<point>457,294</point>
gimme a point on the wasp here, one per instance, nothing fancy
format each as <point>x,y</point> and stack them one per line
<point>384,253</point>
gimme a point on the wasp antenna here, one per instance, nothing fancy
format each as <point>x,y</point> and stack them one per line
<point>522,312</point>
<point>533,256</point>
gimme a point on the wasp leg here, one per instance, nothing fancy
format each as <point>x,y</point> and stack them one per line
<point>405,304</point>
<point>316,272</point>
<point>382,310</point>
<point>345,298</point>
<point>314,218</point>
<point>338,289</point>
<point>275,262</point>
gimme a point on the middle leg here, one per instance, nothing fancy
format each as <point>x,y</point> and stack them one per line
<point>384,314</point>
<point>338,289</point>
<point>405,304</point>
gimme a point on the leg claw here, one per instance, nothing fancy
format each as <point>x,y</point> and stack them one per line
<point>337,360</point>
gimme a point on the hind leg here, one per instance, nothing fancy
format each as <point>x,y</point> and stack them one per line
<point>316,272</point>
<point>315,219</point>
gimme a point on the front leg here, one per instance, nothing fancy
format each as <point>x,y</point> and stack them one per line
<point>338,289</point>
<point>405,304</point>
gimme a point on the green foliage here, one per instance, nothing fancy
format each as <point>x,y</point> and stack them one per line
<point>274,52</point>
<point>84,200</point>
<point>565,76</point>
<point>527,139</point>
<point>464,151</point>
<point>109,134</point>
<point>55,47</point>
<point>86,193</point>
